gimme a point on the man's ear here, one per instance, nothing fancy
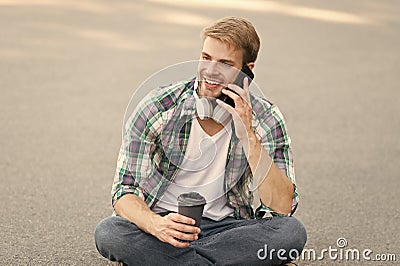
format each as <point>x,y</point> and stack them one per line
<point>251,65</point>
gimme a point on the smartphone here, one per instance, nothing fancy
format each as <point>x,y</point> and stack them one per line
<point>245,72</point>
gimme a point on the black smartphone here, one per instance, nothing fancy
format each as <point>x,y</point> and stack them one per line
<point>245,72</point>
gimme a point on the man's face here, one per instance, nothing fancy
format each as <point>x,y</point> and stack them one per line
<point>220,63</point>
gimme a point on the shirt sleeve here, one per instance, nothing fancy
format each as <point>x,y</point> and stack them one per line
<point>139,139</point>
<point>274,138</point>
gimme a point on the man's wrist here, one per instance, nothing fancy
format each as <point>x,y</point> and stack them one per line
<point>251,145</point>
<point>249,139</point>
<point>152,224</point>
<point>249,133</point>
<point>252,137</point>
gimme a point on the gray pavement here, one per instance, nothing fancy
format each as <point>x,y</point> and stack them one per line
<point>68,70</point>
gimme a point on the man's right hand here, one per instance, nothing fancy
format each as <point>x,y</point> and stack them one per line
<point>174,227</point>
<point>170,228</point>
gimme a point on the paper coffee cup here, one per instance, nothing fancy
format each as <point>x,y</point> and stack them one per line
<point>191,205</point>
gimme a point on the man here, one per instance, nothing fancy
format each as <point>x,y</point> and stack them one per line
<point>251,153</point>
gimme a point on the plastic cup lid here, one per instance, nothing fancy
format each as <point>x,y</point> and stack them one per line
<point>191,199</point>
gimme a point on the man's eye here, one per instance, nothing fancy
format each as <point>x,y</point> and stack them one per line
<point>227,64</point>
<point>205,57</point>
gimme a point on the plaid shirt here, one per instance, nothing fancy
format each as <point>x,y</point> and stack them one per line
<point>155,140</point>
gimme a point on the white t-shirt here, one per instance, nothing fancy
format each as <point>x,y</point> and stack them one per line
<point>202,171</point>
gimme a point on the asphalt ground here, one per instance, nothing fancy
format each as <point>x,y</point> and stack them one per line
<point>68,70</point>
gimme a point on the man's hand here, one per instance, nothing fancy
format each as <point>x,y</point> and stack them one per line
<point>242,113</point>
<point>170,228</point>
<point>174,227</point>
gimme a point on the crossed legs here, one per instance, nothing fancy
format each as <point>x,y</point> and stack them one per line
<point>226,242</point>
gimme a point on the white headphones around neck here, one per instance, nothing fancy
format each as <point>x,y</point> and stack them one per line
<point>208,108</point>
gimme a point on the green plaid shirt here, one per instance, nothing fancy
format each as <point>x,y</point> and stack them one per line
<point>155,140</point>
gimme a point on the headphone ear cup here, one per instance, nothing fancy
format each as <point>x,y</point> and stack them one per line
<point>220,115</point>
<point>204,108</point>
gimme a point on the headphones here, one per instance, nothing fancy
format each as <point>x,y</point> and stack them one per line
<point>208,108</point>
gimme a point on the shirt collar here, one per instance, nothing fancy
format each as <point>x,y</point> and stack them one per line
<point>195,87</point>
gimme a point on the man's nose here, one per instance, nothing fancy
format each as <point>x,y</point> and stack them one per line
<point>213,68</point>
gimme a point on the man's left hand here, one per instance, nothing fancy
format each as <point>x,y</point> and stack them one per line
<point>242,113</point>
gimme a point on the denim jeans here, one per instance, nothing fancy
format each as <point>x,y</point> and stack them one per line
<point>226,242</point>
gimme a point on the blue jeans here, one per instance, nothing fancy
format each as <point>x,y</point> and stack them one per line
<point>227,242</point>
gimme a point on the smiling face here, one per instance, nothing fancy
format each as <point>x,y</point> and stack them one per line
<point>220,63</point>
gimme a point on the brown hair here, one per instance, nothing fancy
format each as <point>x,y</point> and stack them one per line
<point>237,31</point>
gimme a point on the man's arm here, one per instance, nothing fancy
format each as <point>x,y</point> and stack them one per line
<point>167,228</point>
<point>274,187</point>
<point>134,165</point>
